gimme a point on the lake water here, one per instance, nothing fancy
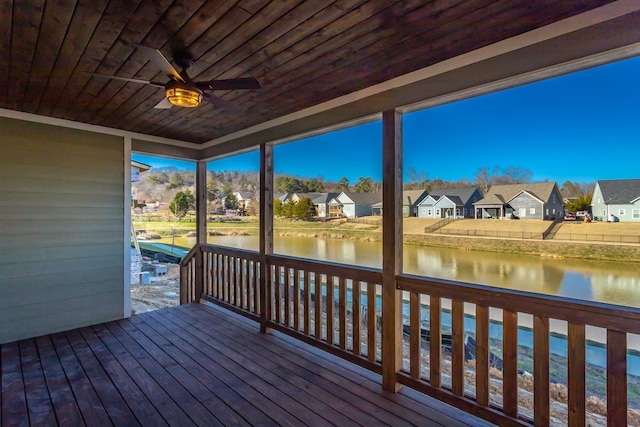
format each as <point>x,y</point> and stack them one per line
<point>602,281</point>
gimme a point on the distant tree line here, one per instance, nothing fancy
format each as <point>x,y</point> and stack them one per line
<point>162,184</point>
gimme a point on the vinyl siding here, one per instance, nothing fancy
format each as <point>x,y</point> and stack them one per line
<point>61,229</point>
<point>526,202</point>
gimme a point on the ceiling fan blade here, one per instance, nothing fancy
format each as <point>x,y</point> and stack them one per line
<point>221,103</point>
<point>158,59</point>
<point>127,79</point>
<point>164,104</point>
<point>230,84</point>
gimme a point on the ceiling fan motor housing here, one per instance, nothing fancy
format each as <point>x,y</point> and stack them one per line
<point>183,94</point>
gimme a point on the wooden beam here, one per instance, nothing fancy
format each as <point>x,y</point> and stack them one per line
<point>266,230</point>
<point>201,227</point>
<point>391,248</point>
<point>201,202</point>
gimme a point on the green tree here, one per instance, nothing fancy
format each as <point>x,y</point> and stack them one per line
<point>277,207</point>
<point>231,201</point>
<point>582,203</point>
<point>304,209</point>
<point>343,184</point>
<point>364,185</point>
<point>181,203</point>
<point>179,206</point>
<point>287,208</point>
<point>287,184</point>
<point>314,186</point>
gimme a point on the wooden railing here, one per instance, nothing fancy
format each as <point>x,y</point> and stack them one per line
<point>188,280</point>
<point>472,387</point>
<point>232,278</point>
<point>480,361</point>
<point>333,306</point>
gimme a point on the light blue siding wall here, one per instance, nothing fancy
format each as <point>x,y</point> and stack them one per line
<point>61,229</point>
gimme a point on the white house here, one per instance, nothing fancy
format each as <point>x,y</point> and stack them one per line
<point>353,205</point>
<point>617,200</point>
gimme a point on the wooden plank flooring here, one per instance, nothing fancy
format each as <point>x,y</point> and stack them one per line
<point>197,365</point>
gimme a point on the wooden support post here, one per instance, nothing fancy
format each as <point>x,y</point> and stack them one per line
<point>391,248</point>
<point>266,231</point>
<point>201,225</point>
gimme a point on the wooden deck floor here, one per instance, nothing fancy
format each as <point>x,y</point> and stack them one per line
<point>197,365</point>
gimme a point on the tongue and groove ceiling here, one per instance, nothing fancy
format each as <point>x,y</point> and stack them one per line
<point>303,53</point>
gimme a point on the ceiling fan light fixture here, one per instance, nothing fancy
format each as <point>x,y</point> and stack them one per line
<point>184,97</point>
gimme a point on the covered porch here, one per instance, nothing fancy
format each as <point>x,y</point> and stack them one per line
<point>324,343</point>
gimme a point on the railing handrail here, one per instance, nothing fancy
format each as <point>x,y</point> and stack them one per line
<point>604,315</point>
<point>365,274</point>
<point>187,258</point>
<point>229,251</point>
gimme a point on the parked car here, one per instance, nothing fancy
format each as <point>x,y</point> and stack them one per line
<point>570,216</point>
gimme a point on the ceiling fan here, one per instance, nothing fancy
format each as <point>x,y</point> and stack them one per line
<point>180,90</point>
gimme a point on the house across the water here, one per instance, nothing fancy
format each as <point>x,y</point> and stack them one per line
<point>617,200</point>
<point>539,200</point>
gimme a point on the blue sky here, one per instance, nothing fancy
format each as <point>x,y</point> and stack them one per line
<point>580,127</point>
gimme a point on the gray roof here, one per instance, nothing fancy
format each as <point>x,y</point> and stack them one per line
<point>501,194</point>
<point>456,200</point>
<point>619,191</point>
<point>413,197</point>
<point>463,193</point>
<point>364,198</point>
<point>322,197</point>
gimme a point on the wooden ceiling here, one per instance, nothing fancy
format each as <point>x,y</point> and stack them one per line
<point>303,52</point>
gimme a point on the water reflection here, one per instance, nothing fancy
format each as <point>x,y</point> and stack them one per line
<point>610,282</point>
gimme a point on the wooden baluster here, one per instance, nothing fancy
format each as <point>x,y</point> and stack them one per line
<point>540,371</point>
<point>372,322</point>
<point>225,280</point>
<point>330,302</point>
<point>317,292</point>
<point>576,362</point>
<point>251,286</point>
<point>296,299</point>
<point>232,280</point>
<point>415,336</point>
<point>616,378</point>
<point>356,321</point>
<point>435,342</point>
<point>482,355</point>
<point>237,288</point>
<point>283,273</point>
<point>218,276</point>
<point>210,273</point>
<point>342,312</point>
<point>256,287</point>
<point>244,264</point>
<point>510,363</point>
<point>307,303</point>
<point>457,347</point>
<point>277,296</point>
